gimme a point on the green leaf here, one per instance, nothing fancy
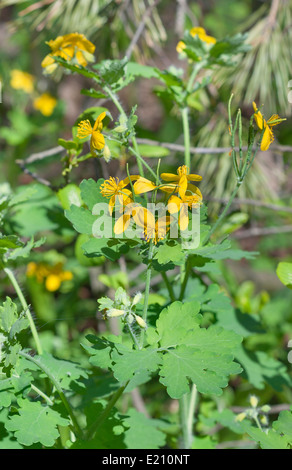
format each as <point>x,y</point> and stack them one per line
<point>35,423</point>
<point>204,356</point>
<point>142,432</point>
<point>81,219</point>
<point>269,440</point>
<point>90,192</point>
<point>112,71</point>
<point>64,372</point>
<point>261,369</point>
<point>283,425</point>
<point>284,273</point>
<point>170,253</point>
<point>139,70</point>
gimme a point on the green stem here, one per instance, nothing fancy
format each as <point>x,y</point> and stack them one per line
<point>216,225</point>
<point>185,272</point>
<point>147,289</point>
<point>140,159</point>
<point>186,130</point>
<point>183,411</point>
<point>104,415</point>
<point>191,411</point>
<point>56,383</point>
<point>42,394</point>
<point>168,286</point>
<point>118,105</point>
<point>25,307</point>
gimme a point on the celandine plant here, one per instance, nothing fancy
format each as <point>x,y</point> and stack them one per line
<point>50,402</point>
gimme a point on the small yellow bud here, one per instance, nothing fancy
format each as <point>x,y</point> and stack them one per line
<point>240,417</point>
<point>137,298</point>
<point>264,420</point>
<point>254,401</point>
<point>140,321</point>
<point>106,153</point>
<point>115,312</point>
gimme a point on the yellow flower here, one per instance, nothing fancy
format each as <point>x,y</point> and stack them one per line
<point>201,33</point>
<point>157,231</point>
<point>134,210</point>
<point>179,183</point>
<point>143,185</point>
<point>268,136</point>
<point>85,129</point>
<point>113,188</point>
<point>22,81</point>
<point>45,104</point>
<point>181,205</point>
<point>72,47</point>
<point>52,276</point>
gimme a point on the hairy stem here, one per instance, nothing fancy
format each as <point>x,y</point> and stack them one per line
<point>76,428</point>
<point>25,308</point>
<point>104,415</point>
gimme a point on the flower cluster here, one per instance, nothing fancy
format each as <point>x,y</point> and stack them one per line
<point>122,306</point>
<point>51,276</point>
<point>196,32</point>
<point>180,195</point>
<point>266,126</point>
<point>73,48</point>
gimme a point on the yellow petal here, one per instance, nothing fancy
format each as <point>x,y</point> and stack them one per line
<point>122,224</point>
<point>267,139</point>
<point>97,140</point>
<point>143,185</point>
<point>174,204</point>
<point>194,178</point>
<point>169,177</point>
<point>98,122</point>
<point>183,184</point>
<point>184,217</point>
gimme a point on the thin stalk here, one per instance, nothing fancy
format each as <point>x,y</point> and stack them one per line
<point>56,383</point>
<point>147,289</point>
<point>104,415</point>
<point>216,225</point>
<point>191,410</point>
<point>42,394</point>
<point>185,272</point>
<point>183,411</point>
<point>140,159</point>
<point>186,130</point>
<point>25,307</point>
<point>118,105</point>
<point>168,286</point>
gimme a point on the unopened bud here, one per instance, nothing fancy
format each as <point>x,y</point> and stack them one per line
<point>140,321</point>
<point>254,401</point>
<point>264,420</point>
<point>240,417</point>
<point>106,153</point>
<point>121,128</point>
<point>115,312</point>
<point>265,408</point>
<point>137,298</point>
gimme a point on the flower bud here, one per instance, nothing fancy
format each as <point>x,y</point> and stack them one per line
<point>137,298</point>
<point>254,401</point>
<point>240,417</point>
<point>121,128</point>
<point>106,153</point>
<point>140,321</point>
<point>115,312</point>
